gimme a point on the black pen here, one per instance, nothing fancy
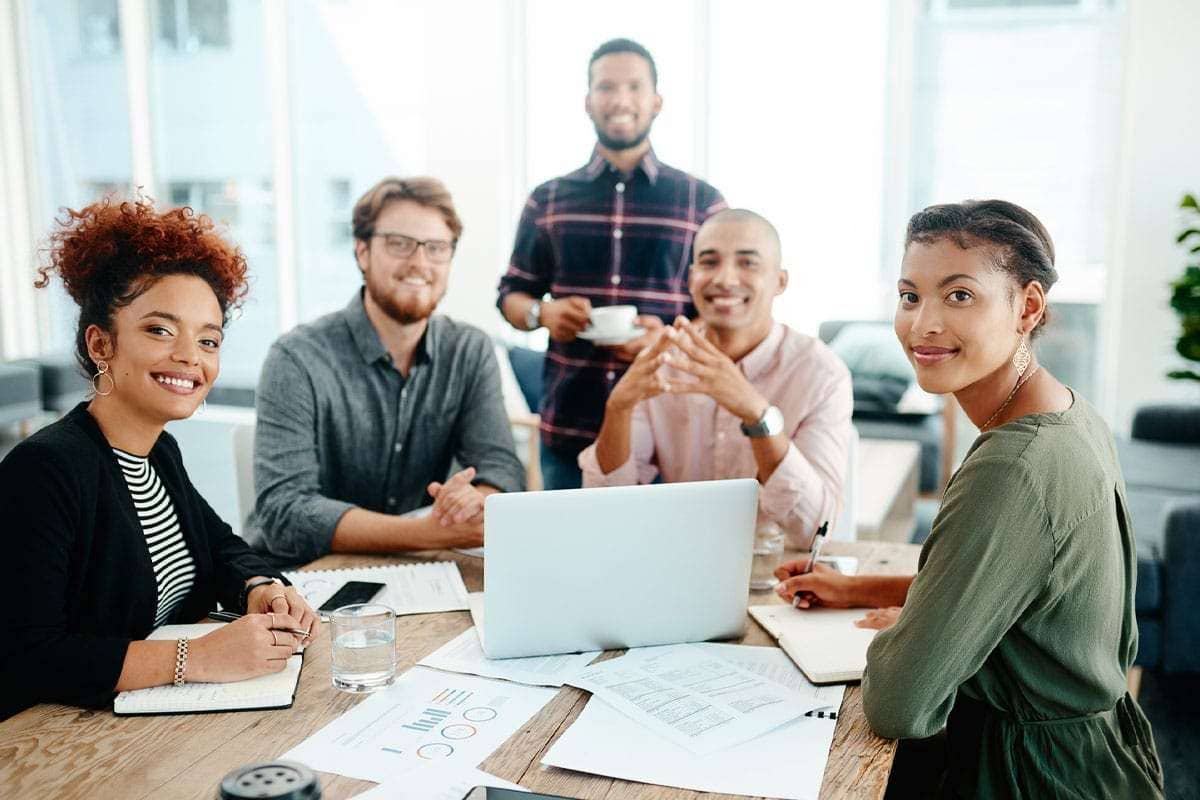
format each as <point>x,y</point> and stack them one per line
<point>814,552</point>
<point>229,616</point>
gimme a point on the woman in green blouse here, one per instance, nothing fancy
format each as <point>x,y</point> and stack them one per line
<point>1018,629</point>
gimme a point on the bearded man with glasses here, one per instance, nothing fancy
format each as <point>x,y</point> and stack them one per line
<point>362,412</point>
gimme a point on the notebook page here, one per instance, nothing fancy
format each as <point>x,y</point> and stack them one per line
<point>272,690</point>
<point>423,588</point>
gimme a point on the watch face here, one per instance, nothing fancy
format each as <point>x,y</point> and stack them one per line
<point>773,421</point>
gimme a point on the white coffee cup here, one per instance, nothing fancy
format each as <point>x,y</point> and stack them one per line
<point>613,320</point>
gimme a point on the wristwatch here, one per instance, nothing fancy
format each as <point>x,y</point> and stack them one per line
<point>770,424</point>
<point>533,317</point>
<point>254,584</point>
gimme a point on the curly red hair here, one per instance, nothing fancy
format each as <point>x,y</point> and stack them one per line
<point>111,251</point>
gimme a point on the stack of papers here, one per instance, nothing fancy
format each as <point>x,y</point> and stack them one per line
<point>464,654</point>
<point>787,761</point>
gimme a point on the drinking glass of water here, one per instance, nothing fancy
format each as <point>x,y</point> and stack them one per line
<point>768,555</point>
<point>364,647</point>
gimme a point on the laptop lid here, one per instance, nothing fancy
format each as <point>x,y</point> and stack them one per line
<point>595,569</point>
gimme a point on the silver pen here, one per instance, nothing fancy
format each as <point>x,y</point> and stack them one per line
<point>814,552</point>
<point>229,616</point>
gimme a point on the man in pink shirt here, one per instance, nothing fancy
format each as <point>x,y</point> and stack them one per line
<point>734,394</point>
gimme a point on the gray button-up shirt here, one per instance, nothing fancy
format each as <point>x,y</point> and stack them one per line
<point>339,427</point>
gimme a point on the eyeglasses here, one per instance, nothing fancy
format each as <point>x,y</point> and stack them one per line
<point>398,245</point>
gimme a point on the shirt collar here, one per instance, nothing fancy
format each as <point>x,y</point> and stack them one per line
<point>649,165</point>
<point>755,363</point>
<point>367,340</point>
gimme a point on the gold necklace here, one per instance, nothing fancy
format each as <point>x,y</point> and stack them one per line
<point>1008,399</point>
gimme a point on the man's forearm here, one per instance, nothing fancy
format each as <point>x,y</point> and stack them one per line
<point>515,307</point>
<point>612,444</point>
<point>362,531</point>
<point>768,454</point>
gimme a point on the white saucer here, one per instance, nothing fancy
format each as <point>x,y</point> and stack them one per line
<point>612,339</point>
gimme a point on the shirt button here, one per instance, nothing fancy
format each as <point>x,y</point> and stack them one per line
<point>396,448</point>
<point>391,501</point>
<point>611,375</point>
<point>403,393</point>
<point>621,186</point>
<point>616,280</point>
<point>617,234</point>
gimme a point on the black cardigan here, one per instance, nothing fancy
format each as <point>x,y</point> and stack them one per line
<point>76,581</point>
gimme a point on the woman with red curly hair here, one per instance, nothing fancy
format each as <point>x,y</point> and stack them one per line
<point>108,538</point>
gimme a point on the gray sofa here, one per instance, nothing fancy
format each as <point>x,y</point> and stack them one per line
<point>1161,463</point>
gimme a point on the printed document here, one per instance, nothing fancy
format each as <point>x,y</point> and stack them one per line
<point>464,654</point>
<point>436,782</point>
<point>422,588</point>
<point>690,696</point>
<point>788,762</point>
<point>425,716</point>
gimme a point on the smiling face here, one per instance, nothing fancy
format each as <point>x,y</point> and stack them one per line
<point>622,101</point>
<point>736,273</point>
<point>407,288</point>
<point>166,352</point>
<point>959,318</point>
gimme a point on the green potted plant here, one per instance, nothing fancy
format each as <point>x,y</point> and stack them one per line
<point>1185,292</point>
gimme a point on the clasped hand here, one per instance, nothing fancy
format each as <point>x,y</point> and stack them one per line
<point>708,371</point>
<point>458,510</point>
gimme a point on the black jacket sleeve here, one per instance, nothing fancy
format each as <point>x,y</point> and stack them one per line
<point>42,499</point>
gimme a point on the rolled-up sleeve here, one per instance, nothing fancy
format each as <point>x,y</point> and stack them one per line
<point>806,489</point>
<point>293,520</point>
<point>531,267</point>
<point>638,468</point>
<point>483,436</point>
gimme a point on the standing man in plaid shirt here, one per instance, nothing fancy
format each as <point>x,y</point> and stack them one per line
<point>618,231</point>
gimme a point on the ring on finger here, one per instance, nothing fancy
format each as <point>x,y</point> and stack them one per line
<point>274,639</point>
<point>271,614</point>
<point>280,596</point>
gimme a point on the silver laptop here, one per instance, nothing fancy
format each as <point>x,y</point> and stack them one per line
<point>595,569</point>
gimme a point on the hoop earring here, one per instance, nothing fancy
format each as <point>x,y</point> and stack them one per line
<point>102,372</point>
<point>1021,358</point>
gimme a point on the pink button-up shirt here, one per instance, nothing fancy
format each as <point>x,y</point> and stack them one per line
<point>688,437</point>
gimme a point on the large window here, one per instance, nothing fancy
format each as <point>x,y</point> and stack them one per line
<point>81,121</point>
<point>804,150</point>
<point>213,148</point>
<point>1020,101</point>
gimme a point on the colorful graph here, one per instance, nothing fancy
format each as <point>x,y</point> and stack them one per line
<point>428,719</point>
<point>459,731</point>
<point>451,697</point>
<point>436,750</point>
<point>479,714</point>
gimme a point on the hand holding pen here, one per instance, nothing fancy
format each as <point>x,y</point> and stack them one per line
<point>805,583</point>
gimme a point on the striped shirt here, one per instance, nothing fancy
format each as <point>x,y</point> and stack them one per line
<point>174,570</point>
<point>614,239</point>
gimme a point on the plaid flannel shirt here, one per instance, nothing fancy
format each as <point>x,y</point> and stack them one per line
<point>614,239</point>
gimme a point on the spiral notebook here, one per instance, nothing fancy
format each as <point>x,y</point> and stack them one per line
<point>276,690</point>
<point>422,588</point>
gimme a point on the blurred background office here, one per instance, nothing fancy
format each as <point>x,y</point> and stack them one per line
<point>835,120</point>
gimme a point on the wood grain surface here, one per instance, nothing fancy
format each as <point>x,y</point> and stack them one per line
<point>65,752</point>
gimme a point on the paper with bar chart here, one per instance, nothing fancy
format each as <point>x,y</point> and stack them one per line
<point>426,716</point>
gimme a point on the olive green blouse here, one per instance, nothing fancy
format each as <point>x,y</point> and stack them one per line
<point>1019,627</point>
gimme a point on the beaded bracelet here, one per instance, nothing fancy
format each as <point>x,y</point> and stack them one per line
<point>181,654</point>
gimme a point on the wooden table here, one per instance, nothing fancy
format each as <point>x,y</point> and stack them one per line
<point>65,752</point>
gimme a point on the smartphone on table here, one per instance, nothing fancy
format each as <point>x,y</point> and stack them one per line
<point>351,593</point>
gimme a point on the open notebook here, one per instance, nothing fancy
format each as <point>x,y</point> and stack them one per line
<point>276,690</point>
<point>824,642</point>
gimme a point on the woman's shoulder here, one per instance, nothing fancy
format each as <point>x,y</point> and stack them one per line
<point>60,457</point>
